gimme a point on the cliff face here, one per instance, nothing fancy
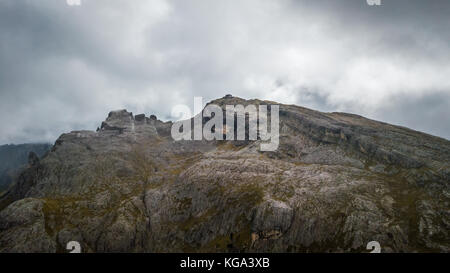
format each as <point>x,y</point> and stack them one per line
<point>336,182</point>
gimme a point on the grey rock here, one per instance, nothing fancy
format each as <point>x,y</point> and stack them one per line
<point>337,182</point>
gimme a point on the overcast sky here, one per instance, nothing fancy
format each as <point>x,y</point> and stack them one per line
<point>64,67</point>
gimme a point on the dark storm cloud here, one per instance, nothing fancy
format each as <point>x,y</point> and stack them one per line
<point>63,67</point>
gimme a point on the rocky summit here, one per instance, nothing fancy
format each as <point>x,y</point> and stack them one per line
<point>336,182</point>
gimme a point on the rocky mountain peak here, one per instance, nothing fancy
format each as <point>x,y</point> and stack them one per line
<point>336,182</point>
<point>118,120</point>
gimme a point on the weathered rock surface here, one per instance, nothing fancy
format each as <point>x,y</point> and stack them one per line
<point>336,182</point>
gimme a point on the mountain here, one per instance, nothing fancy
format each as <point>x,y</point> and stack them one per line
<point>336,182</point>
<point>14,157</point>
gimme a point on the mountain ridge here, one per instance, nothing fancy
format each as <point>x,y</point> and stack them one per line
<point>336,182</point>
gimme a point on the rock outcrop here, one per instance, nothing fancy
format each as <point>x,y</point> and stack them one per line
<point>336,182</point>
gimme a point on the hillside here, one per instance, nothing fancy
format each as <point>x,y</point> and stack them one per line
<point>336,182</point>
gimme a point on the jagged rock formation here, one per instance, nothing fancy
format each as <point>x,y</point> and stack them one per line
<point>336,182</point>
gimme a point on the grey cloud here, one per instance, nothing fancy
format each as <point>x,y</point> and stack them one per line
<point>63,68</point>
<point>427,114</point>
